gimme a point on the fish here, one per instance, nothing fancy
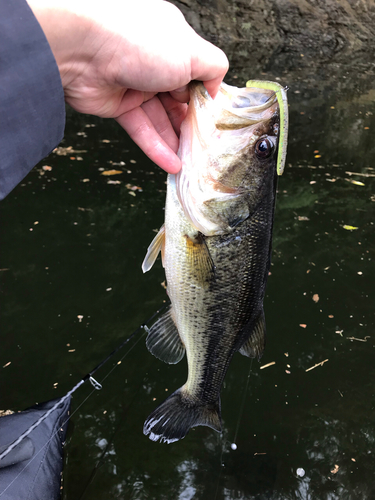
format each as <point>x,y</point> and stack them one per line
<point>215,245</point>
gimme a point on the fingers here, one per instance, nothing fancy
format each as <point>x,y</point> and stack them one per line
<point>141,129</point>
<point>160,121</point>
<point>212,86</point>
<point>182,94</point>
<point>176,111</point>
<point>209,66</point>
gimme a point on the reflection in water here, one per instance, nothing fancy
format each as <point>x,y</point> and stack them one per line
<point>187,489</point>
<point>83,258</point>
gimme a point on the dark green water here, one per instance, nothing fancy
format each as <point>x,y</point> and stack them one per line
<point>71,279</point>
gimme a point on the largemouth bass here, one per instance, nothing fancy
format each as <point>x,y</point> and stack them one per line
<point>216,246</point>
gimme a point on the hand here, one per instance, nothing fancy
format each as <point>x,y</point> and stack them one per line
<point>132,61</point>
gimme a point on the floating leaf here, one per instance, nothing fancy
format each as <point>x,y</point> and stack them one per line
<point>267,365</point>
<point>349,228</point>
<point>361,174</point>
<point>317,364</point>
<point>112,172</point>
<point>46,168</point>
<point>133,188</point>
<point>335,469</point>
<point>302,325</point>
<point>357,183</point>
<point>315,297</point>
<point>60,151</point>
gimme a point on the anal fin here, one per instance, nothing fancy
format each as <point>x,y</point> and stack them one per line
<point>254,346</point>
<point>157,245</point>
<point>163,340</point>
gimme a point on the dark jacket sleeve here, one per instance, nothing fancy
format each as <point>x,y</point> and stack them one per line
<point>32,110</point>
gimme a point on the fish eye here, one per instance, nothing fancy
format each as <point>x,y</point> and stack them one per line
<point>263,148</point>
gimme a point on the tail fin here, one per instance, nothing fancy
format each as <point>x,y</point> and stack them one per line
<point>173,419</point>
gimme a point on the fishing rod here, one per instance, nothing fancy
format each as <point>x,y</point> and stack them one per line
<point>4,451</point>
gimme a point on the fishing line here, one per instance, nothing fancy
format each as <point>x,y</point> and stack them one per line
<point>100,461</point>
<point>221,463</point>
<point>27,432</point>
<point>234,445</point>
<point>94,383</point>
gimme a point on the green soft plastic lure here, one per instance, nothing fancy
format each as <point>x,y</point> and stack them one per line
<point>283,105</point>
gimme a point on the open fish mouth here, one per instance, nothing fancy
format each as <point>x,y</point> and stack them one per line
<point>219,141</point>
<point>235,108</point>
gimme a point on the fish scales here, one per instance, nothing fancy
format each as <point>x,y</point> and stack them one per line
<point>216,253</point>
<point>228,306</point>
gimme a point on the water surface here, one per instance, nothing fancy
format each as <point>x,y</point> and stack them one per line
<point>72,244</point>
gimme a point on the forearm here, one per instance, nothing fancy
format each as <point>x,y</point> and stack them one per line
<point>31,98</point>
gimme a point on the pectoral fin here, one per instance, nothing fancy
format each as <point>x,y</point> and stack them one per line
<point>254,346</point>
<point>200,260</point>
<point>153,250</point>
<point>163,340</point>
